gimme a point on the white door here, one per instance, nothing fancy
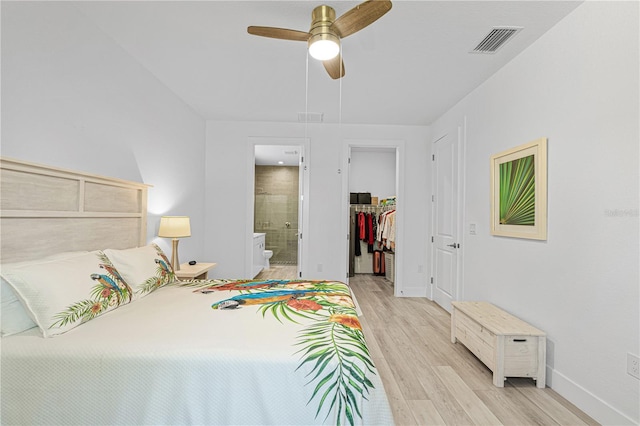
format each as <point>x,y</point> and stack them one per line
<point>445,240</point>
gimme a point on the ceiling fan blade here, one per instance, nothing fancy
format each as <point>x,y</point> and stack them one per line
<point>335,67</point>
<point>360,16</point>
<point>281,33</point>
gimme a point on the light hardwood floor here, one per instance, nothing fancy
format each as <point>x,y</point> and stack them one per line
<point>282,272</point>
<point>429,380</point>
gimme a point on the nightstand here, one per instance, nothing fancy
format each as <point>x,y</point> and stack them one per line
<point>198,271</point>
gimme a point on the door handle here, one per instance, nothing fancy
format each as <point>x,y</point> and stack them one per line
<point>454,245</point>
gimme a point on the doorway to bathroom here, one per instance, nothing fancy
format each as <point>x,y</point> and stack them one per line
<point>278,207</point>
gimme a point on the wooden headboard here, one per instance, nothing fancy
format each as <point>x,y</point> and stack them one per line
<point>47,210</point>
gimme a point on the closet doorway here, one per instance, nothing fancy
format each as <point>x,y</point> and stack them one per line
<point>277,201</point>
<point>373,169</point>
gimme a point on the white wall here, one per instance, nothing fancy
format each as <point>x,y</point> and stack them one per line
<point>72,98</point>
<point>373,170</point>
<point>578,86</point>
<point>227,183</point>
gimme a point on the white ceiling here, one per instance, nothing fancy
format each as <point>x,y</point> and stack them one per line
<point>277,155</point>
<point>407,68</point>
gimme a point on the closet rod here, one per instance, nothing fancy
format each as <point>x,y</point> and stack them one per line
<point>388,207</point>
<point>371,207</point>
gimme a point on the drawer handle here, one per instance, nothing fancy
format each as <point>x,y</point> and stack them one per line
<point>519,340</point>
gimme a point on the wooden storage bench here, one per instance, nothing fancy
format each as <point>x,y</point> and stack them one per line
<point>507,345</point>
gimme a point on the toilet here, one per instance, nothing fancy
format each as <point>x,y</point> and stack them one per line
<point>267,255</point>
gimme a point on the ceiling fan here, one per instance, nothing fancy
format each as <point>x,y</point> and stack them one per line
<point>326,31</point>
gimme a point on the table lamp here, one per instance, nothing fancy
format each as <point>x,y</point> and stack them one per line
<point>174,227</point>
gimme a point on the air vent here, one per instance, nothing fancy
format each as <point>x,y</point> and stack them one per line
<point>310,117</point>
<point>496,38</point>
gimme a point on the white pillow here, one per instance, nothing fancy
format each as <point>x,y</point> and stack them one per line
<point>15,318</point>
<point>143,268</point>
<point>62,294</point>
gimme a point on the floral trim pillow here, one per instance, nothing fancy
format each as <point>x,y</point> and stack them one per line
<point>143,268</point>
<point>62,294</point>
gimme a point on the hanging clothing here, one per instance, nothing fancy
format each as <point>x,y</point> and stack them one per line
<point>361,231</point>
<point>356,241</point>
<point>374,229</point>
<point>369,229</point>
<point>387,229</point>
<point>377,230</point>
<point>391,234</point>
<point>365,235</point>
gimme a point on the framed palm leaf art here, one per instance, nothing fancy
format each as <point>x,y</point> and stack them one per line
<point>519,191</point>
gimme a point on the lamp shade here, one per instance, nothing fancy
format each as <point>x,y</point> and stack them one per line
<point>174,227</point>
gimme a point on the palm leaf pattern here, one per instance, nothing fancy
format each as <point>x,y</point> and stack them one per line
<point>149,285</point>
<point>284,310</point>
<point>109,291</point>
<point>164,274</point>
<point>340,361</point>
<point>517,192</point>
<point>332,349</point>
<point>83,310</point>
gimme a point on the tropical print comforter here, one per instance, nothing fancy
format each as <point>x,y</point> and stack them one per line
<point>203,352</point>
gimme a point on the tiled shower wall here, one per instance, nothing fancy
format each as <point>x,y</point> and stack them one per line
<point>276,210</point>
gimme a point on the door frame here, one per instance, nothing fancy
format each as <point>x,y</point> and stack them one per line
<point>399,145</point>
<point>460,132</point>
<point>303,187</point>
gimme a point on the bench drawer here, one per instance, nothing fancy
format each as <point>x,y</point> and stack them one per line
<point>520,356</point>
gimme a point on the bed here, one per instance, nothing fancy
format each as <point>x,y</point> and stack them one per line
<point>106,334</point>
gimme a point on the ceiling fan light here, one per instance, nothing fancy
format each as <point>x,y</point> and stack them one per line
<point>324,47</point>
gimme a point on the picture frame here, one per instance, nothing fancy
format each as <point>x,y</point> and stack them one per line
<point>519,191</point>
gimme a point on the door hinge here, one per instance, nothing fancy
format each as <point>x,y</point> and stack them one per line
<point>433,157</point>
<point>431,239</point>
<point>433,198</point>
<point>431,280</point>
<point>302,159</point>
<point>300,274</point>
<point>349,160</point>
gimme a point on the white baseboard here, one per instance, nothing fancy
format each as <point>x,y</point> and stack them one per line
<point>595,407</point>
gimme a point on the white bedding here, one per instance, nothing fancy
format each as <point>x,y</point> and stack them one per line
<point>170,358</point>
